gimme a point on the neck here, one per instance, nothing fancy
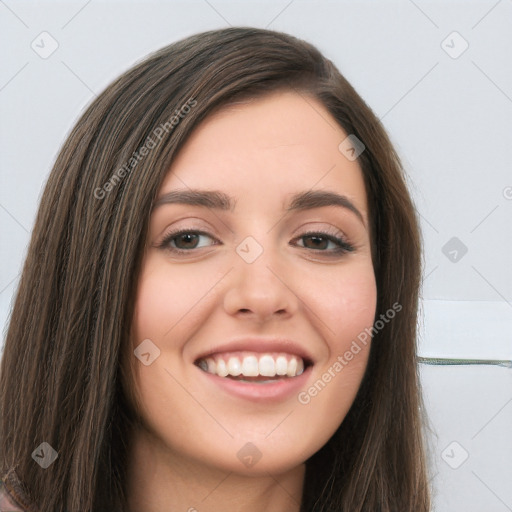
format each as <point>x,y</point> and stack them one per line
<point>160,480</point>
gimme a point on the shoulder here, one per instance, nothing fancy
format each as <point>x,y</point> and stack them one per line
<point>12,495</point>
<point>6,501</point>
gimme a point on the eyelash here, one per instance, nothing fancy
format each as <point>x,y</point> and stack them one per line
<point>343,245</point>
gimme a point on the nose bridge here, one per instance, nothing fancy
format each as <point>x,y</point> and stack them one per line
<point>259,282</point>
<point>258,263</point>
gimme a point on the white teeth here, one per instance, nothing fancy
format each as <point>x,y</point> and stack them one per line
<point>300,367</point>
<point>292,367</point>
<point>253,365</point>
<point>267,366</point>
<point>281,365</point>
<point>212,366</point>
<point>234,367</point>
<point>222,370</point>
<point>250,367</point>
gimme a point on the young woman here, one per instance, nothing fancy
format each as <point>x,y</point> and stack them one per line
<point>218,306</point>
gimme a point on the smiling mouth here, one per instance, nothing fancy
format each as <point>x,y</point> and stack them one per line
<point>253,366</point>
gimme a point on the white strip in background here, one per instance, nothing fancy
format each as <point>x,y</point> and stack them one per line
<point>465,329</point>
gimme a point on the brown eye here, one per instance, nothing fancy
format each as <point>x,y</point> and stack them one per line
<point>316,242</point>
<point>327,243</point>
<point>184,241</point>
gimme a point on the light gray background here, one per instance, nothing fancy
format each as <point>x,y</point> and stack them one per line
<point>448,112</point>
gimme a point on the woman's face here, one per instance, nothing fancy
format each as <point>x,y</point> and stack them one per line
<point>272,271</point>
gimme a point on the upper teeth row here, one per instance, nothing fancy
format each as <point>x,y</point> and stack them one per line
<point>265,365</point>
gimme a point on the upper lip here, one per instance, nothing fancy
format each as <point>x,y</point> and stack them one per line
<point>261,345</point>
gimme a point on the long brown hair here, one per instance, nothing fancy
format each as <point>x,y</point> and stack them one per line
<point>67,362</point>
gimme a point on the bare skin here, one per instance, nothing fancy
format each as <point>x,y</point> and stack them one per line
<point>309,289</point>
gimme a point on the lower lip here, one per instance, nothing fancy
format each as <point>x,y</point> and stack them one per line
<point>276,390</point>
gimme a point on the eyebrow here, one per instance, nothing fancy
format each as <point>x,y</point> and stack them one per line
<point>218,200</point>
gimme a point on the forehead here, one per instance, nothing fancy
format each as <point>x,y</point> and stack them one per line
<point>267,147</point>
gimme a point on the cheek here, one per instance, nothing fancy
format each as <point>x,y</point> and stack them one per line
<point>348,312</point>
<point>166,305</point>
<point>354,311</point>
<point>347,307</point>
<point>166,300</point>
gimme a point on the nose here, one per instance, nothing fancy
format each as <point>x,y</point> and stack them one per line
<point>261,290</point>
